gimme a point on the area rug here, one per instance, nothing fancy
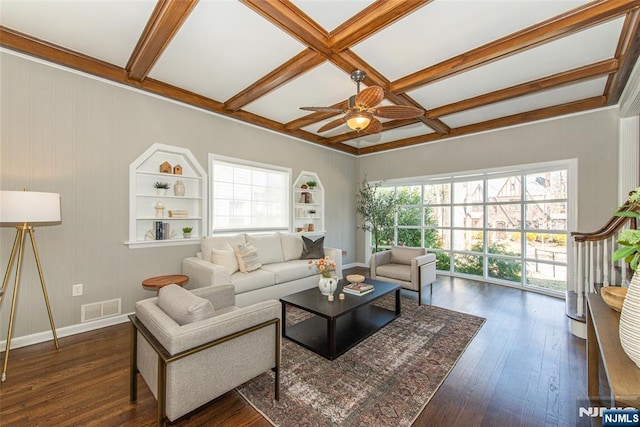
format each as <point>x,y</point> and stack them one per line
<point>386,380</point>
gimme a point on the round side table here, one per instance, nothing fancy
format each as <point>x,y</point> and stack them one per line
<point>161,281</point>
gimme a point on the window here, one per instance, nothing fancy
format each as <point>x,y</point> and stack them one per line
<point>505,227</point>
<point>248,196</point>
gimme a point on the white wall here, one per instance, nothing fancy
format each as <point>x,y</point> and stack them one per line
<point>591,138</point>
<point>67,133</point>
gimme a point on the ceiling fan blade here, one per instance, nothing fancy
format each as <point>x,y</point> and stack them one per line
<point>398,112</point>
<point>374,127</point>
<point>370,96</point>
<point>324,109</point>
<point>332,124</point>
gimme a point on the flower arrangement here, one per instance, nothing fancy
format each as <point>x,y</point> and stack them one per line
<point>629,239</point>
<point>325,266</point>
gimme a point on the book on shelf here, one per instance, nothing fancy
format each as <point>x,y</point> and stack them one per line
<point>178,214</point>
<point>358,288</point>
<point>162,230</point>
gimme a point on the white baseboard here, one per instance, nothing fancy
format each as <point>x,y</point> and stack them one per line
<point>355,264</point>
<point>39,337</point>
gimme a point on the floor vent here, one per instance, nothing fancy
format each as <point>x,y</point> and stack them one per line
<point>100,310</point>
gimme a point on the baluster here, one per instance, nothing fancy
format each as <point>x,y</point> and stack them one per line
<point>591,287</point>
<point>598,261</point>
<point>605,261</point>
<point>580,288</point>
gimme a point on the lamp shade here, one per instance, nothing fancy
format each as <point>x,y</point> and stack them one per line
<point>29,206</point>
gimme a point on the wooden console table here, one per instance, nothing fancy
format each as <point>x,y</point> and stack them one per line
<point>604,350</point>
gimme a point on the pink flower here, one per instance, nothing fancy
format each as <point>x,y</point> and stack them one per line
<point>325,266</point>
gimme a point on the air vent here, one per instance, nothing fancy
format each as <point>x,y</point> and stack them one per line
<point>100,310</point>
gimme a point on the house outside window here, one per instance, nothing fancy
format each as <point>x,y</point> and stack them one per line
<point>248,196</point>
<point>504,227</point>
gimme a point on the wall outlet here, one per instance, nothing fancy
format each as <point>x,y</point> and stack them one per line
<point>76,290</point>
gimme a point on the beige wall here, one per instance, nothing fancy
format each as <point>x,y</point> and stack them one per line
<point>67,133</point>
<point>590,138</point>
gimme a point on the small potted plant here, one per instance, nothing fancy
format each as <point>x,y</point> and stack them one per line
<point>186,232</point>
<point>312,213</point>
<point>161,187</point>
<point>311,185</point>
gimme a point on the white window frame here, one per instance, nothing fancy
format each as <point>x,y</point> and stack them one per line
<point>570,165</point>
<point>286,193</point>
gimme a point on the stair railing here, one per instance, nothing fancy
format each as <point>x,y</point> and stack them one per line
<point>592,263</point>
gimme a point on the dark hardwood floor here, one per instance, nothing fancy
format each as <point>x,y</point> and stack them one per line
<point>524,368</point>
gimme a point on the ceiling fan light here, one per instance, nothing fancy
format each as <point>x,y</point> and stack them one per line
<point>358,121</point>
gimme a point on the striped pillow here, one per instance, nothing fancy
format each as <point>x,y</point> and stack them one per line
<point>247,256</point>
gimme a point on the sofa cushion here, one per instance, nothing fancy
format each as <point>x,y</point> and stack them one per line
<point>290,270</point>
<point>257,279</point>
<point>247,256</point>
<point>220,242</point>
<point>403,255</point>
<point>395,271</point>
<point>291,245</point>
<point>269,247</point>
<point>312,249</point>
<point>183,306</point>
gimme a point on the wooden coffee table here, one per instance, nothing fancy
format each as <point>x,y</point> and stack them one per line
<point>162,281</point>
<point>340,324</point>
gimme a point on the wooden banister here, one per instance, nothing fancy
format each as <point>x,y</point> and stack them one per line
<point>610,228</point>
<point>593,266</point>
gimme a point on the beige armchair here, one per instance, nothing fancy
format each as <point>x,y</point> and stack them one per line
<point>411,268</point>
<point>193,346</point>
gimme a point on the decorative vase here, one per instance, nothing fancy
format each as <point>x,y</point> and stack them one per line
<point>328,285</point>
<point>178,188</point>
<point>630,321</point>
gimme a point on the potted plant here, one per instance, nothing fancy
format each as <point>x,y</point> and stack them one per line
<point>161,187</point>
<point>186,232</point>
<point>312,213</point>
<point>629,251</point>
<point>377,209</point>
<point>312,185</point>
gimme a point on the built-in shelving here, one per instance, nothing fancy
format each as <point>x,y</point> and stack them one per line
<point>145,199</point>
<point>308,204</point>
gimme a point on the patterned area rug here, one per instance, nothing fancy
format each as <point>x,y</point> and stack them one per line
<point>385,380</point>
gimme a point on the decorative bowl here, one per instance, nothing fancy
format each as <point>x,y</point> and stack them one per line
<point>614,296</point>
<point>355,278</point>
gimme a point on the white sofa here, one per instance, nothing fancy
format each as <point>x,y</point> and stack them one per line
<point>282,271</point>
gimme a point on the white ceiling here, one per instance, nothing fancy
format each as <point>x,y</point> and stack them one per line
<point>225,46</point>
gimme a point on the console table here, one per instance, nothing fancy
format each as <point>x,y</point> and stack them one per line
<point>604,351</point>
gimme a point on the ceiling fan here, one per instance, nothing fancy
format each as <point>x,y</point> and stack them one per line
<point>360,115</point>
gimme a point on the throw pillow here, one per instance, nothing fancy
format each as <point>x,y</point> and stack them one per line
<point>207,243</point>
<point>312,249</point>
<point>247,256</point>
<point>226,258</point>
<point>183,306</point>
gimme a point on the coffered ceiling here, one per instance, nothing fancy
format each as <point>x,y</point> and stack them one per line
<point>471,65</point>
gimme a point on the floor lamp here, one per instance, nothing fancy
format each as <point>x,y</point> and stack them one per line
<point>24,210</point>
